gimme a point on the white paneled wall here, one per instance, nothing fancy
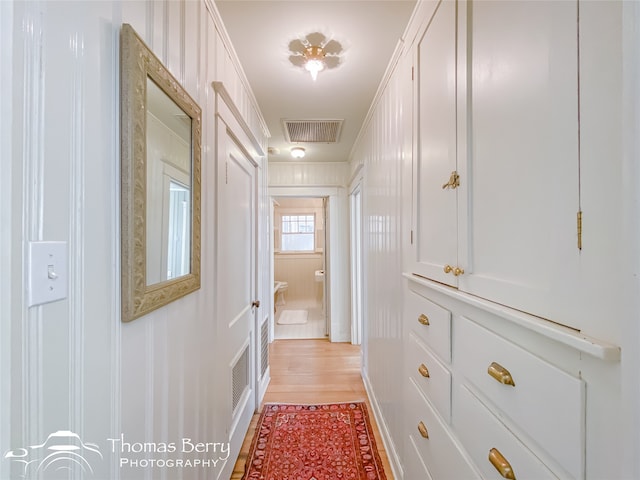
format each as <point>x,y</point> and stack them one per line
<point>298,270</point>
<point>6,284</point>
<point>383,150</point>
<point>301,174</point>
<point>72,365</point>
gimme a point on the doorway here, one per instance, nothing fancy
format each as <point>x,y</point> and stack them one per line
<point>357,318</point>
<point>300,242</point>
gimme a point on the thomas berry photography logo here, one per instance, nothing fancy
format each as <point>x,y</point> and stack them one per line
<point>62,452</point>
<point>63,455</point>
<point>185,453</point>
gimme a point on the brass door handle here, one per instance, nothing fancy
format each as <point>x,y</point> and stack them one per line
<point>423,430</point>
<point>424,371</point>
<point>458,271</point>
<point>448,269</point>
<point>501,374</point>
<point>501,464</point>
<point>454,181</point>
<point>255,303</point>
<point>423,319</point>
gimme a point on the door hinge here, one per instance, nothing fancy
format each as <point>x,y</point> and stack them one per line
<point>411,237</point>
<point>226,173</point>
<point>580,230</point>
<point>412,73</point>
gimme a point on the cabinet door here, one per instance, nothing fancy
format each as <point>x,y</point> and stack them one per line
<point>518,237</point>
<point>436,208</point>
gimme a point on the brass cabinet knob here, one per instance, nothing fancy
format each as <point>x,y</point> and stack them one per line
<point>455,270</point>
<point>501,464</point>
<point>423,319</point>
<point>501,374</point>
<point>255,304</point>
<point>423,430</point>
<point>424,371</point>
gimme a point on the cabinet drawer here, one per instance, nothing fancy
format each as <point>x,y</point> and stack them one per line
<point>546,403</point>
<point>439,451</point>
<point>414,467</point>
<point>433,378</point>
<point>480,432</point>
<point>432,324</point>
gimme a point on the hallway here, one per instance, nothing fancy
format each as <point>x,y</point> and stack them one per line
<point>470,142</point>
<point>313,372</point>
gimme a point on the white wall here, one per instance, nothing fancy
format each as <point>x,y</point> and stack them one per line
<point>6,270</point>
<point>72,365</point>
<point>298,270</point>
<point>292,174</point>
<point>631,232</point>
<point>384,151</point>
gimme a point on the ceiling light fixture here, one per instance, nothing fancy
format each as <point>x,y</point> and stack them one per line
<point>297,152</point>
<point>315,52</point>
<point>314,60</point>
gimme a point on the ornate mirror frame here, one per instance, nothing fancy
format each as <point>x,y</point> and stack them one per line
<point>137,65</point>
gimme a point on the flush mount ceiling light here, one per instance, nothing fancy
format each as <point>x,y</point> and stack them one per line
<point>314,60</point>
<point>315,52</point>
<point>297,152</point>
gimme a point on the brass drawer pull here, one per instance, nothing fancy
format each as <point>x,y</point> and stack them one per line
<point>424,371</point>
<point>458,271</point>
<point>501,374</point>
<point>423,319</point>
<point>502,465</point>
<point>448,269</point>
<point>423,430</point>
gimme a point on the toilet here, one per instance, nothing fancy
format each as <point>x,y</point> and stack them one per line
<point>280,294</point>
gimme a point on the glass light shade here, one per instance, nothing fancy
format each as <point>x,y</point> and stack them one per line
<point>313,67</point>
<point>297,152</point>
<point>314,56</point>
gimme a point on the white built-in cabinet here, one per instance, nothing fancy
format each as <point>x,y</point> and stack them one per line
<point>497,171</point>
<point>499,380</point>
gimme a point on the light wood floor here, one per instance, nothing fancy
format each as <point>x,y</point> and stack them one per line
<point>313,371</point>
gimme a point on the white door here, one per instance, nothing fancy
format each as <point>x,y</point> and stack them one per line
<point>436,213</point>
<point>237,206</point>
<point>523,187</point>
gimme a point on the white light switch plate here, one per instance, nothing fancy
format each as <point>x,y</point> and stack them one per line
<point>48,272</point>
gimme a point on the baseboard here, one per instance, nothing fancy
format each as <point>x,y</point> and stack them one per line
<point>262,386</point>
<point>389,446</point>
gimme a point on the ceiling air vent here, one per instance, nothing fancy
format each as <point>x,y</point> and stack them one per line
<point>312,131</point>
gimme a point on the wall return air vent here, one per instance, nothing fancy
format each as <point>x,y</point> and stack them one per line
<point>312,131</point>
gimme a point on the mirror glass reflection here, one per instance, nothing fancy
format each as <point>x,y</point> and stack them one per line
<point>169,172</point>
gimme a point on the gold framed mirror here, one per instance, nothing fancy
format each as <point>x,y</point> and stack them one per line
<point>160,182</point>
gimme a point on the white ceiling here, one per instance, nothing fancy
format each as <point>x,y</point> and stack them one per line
<point>261,32</point>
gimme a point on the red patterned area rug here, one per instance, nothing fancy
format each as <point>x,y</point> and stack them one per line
<point>314,442</point>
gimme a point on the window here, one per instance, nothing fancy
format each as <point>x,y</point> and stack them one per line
<point>298,233</point>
